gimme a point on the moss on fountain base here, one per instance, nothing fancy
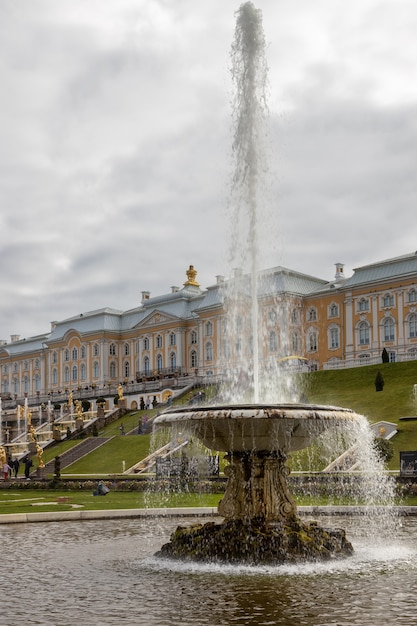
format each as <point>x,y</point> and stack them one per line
<point>256,543</point>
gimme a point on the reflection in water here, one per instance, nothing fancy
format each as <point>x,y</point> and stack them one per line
<point>103,572</point>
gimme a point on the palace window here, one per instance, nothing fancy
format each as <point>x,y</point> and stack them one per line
<point>363,333</point>
<point>96,349</point>
<point>389,329</point>
<point>209,351</point>
<point>193,359</point>
<point>273,341</point>
<point>272,316</point>
<point>83,352</point>
<point>312,341</point>
<point>96,369</point>
<point>159,363</point>
<point>173,360</point>
<point>83,375</point>
<point>193,337</point>
<point>334,338</point>
<point>363,304</point>
<point>66,375</point>
<point>54,357</point>
<point>146,365</point>
<point>412,326</point>
<point>412,295</point>
<point>388,300</point>
<point>158,341</point>
<point>112,349</point>
<point>126,369</point>
<point>74,373</point>
<point>126,349</point>
<point>112,369</point>
<point>146,343</point>
<point>37,382</point>
<point>172,339</point>
<point>25,366</point>
<point>26,384</point>
<point>294,316</point>
<point>74,354</point>
<point>54,376</point>
<point>209,329</point>
<point>312,314</point>
<point>66,354</point>
<point>295,343</point>
<point>333,310</point>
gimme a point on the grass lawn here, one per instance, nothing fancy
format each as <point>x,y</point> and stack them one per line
<point>36,500</point>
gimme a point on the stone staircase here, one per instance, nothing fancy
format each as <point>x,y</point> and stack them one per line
<point>77,452</point>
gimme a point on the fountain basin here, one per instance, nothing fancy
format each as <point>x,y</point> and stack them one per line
<point>255,427</point>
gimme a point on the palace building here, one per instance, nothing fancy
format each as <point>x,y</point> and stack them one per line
<point>346,322</point>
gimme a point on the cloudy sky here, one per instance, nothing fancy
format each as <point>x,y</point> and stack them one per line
<point>115,143</point>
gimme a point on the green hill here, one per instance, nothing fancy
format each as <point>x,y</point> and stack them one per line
<point>352,388</point>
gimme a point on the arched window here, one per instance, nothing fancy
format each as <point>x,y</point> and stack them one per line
<point>54,376</point>
<point>273,341</point>
<point>96,369</point>
<point>333,310</point>
<point>389,329</point>
<point>294,316</point>
<point>112,349</point>
<point>26,384</point>
<point>83,372</point>
<point>37,382</point>
<point>66,375</point>
<point>146,343</point>
<point>193,337</point>
<point>295,343</point>
<point>74,354</point>
<point>363,333</point>
<point>126,369</point>
<point>159,362</point>
<point>74,373</point>
<point>83,352</point>
<point>66,354</point>
<point>412,295</point>
<point>209,329</point>
<point>172,339</point>
<point>334,338</point>
<point>209,351</point>
<point>173,360</point>
<point>193,359</point>
<point>54,357</point>
<point>126,349</point>
<point>312,341</point>
<point>412,326</point>
<point>15,384</point>
<point>312,314</point>
<point>158,341</point>
<point>363,305</point>
<point>388,300</point>
<point>146,365</point>
<point>96,349</point>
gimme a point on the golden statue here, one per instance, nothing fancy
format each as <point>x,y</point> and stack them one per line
<point>120,391</point>
<point>79,408</point>
<point>22,412</point>
<point>32,435</point>
<point>29,418</point>
<point>70,400</point>
<point>3,457</point>
<point>39,453</point>
<point>191,274</point>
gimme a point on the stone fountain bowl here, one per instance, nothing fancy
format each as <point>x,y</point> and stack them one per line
<point>255,427</point>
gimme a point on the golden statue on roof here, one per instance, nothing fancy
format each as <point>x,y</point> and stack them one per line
<point>191,274</point>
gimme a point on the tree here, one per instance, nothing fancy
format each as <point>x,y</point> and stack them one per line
<point>384,448</point>
<point>385,356</point>
<point>379,382</point>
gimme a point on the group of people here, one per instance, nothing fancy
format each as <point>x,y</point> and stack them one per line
<point>11,467</point>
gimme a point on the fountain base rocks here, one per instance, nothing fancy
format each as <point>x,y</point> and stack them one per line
<point>260,524</point>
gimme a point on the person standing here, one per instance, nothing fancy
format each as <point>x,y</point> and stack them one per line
<point>28,465</point>
<point>6,470</point>
<point>16,466</point>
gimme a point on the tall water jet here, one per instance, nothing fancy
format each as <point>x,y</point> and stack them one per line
<point>260,516</point>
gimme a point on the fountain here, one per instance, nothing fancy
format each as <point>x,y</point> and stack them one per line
<point>260,517</point>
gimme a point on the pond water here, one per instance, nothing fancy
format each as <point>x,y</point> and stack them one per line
<point>103,572</point>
